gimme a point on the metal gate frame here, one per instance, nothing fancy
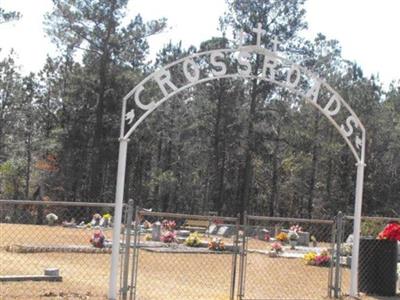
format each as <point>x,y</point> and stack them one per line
<point>334,275</point>
<point>129,277</point>
<point>130,257</point>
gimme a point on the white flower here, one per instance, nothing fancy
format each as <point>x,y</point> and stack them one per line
<point>51,217</point>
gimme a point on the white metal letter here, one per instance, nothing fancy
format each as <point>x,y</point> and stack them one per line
<point>192,78</point>
<point>139,103</point>
<point>163,77</point>
<point>269,66</point>
<point>349,130</point>
<point>219,64</point>
<point>294,71</point>
<point>243,61</point>
<point>334,99</point>
<point>314,91</point>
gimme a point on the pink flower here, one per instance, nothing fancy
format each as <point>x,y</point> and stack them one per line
<point>276,246</point>
<point>296,228</point>
<point>168,237</point>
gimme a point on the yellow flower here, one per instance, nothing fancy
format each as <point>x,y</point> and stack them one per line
<point>309,257</point>
<point>282,237</point>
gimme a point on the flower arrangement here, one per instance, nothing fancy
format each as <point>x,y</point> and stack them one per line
<point>107,217</point>
<point>309,258</point>
<point>276,247</point>
<point>193,240</point>
<point>296,228</point>
<point>282,237</point>
<point>168,237</point>
<point>391,232</point>
<point>98,238</point>
<point>169,225</point>
<point>346,249</point>
<point>314,259</point>
<point>51,218</point>
<point>216,244</point>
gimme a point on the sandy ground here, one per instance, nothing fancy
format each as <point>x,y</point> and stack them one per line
<point>161,275</point>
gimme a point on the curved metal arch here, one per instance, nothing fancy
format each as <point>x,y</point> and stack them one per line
<point>325,111</point>
<point>359,158</point>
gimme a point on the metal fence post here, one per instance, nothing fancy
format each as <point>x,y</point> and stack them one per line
<point>234,259</point>
<point>125,287</point>
<point>242,263</point>
<point>135,255</point>
<point>339,235</point>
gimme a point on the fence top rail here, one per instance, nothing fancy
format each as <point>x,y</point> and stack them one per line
<point>57,203</point>
<point>185,216</point>
<point>282,219</point>
<point>365,218</point>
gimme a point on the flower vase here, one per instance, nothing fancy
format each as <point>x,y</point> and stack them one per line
<point>293,244</point>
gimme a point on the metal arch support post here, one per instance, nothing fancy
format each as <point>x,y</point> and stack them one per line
<point>119,197</point>
<point>356,232</point>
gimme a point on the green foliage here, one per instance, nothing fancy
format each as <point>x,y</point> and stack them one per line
<point>7,16</point>
<point>225,145</point>
<point>372,228</point>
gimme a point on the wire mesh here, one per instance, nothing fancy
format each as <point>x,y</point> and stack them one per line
<point>73,238</point>
<point>287,258</point>
<point>379,270</point>
<point>184,257</point>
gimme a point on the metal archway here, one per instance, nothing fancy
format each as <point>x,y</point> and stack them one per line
<point>209,65</point>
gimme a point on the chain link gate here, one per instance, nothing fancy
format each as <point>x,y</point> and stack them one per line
<point>269,270</point>
<point>154,269</point>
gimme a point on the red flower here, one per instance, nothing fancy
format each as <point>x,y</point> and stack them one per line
<point>390,232</point>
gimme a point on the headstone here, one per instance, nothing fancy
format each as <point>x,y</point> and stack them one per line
<point>183,233</point>
<point>263,234</point>
<point>156,231</point>
<point>51,272</point>
<point>212,229</point>
<point>226,231</point>
<point>304,239</point>
<point>350,239</point>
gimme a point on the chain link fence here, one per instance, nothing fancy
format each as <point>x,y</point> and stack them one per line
<point>379,268</point>
<point>286,258</point>
<point>71,241</point>
<point>177,256</point>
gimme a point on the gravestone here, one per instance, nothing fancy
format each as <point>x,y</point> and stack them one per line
<point>226,231</point>
<point>156,231</point>
<point>251,231</point>
<point>263,234</point>
<point>212,229</point>
<point>304,239</point>
<point>183,233</point>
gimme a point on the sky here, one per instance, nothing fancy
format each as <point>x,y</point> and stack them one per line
<point>368,30</point>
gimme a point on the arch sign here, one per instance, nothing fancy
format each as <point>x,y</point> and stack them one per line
<point>211,65</point>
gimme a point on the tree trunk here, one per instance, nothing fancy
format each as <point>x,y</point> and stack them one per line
<point>28,146</point>
<point>274,205</point>
<point>95,190</point>
<point>311,187</point>
<point>250,146</point>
